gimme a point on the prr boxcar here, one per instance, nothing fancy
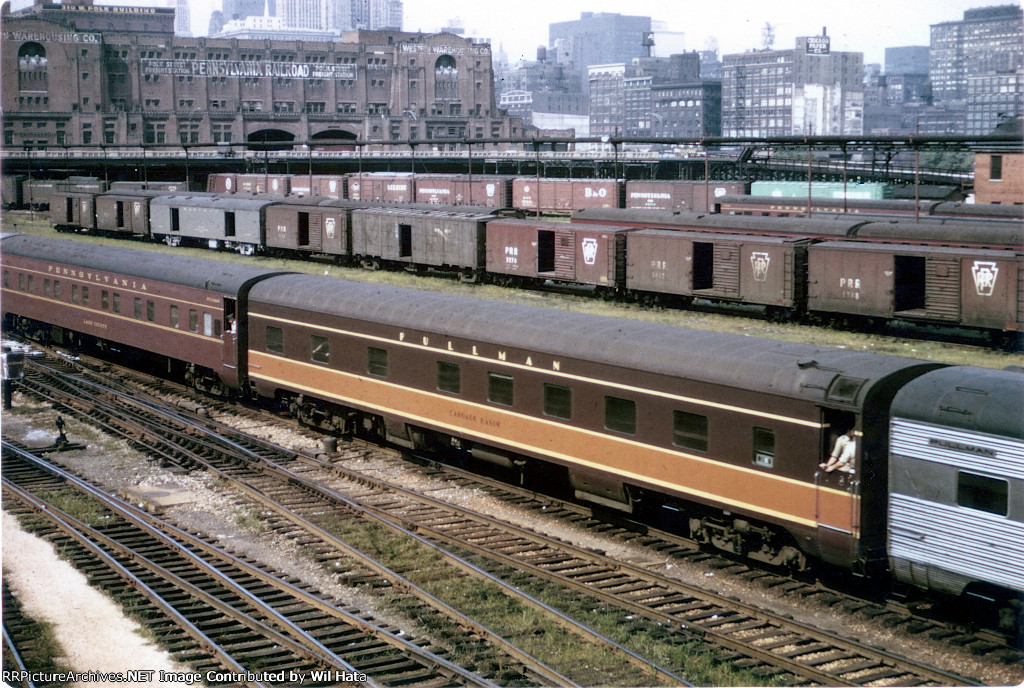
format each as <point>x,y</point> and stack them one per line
<point>447,189</point>
<point>679,195</point>
<point>967,287</point>
<point>309,225</point>
<point>125,211</point>
<point>182,309</point>
<point>527,251</point>
<point>956,482</point>
<point>447,239</point>
<point>731,268</point>
<point>215,221</point>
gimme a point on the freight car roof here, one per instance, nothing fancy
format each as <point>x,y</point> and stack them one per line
<point>228,202</point>
<point>982,400</point>
<point>749,363</point>
<point>213,275</point>
<point>749,224</point>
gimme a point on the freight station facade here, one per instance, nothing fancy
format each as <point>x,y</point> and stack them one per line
<point>85,74</point>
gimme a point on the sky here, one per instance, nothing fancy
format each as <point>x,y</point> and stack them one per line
<point>518,26</point>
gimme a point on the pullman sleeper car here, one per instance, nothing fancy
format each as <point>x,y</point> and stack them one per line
<point>722,433</point>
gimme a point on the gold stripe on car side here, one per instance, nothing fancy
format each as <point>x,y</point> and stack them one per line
<point>736,486</point>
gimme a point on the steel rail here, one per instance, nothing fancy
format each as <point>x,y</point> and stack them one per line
<point>397,580</point>
<point>305,645</point>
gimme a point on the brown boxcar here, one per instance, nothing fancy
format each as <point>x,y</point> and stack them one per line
<point>565,195</point>
<point>678,195</point>
<point>308,226</point>
<point>463,189</point>
<point>125,211</point>
<point>222,182</point>
<point>970,287</point>
<point>427,238</point>
<point>131,185</point>
<point>73,209</point>
<point>390,187</point>
<point>328,186</point>
<point>766,271</point>
<point>263,183</point>
<point>573,253</point>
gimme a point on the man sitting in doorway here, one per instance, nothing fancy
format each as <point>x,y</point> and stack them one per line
<point>842,454</point>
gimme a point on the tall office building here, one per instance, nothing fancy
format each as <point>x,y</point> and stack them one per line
<point>907,59</point>
<point>182,19</point>
<point>598,39</point>
<point>986,41</point>
<point>809,89</point>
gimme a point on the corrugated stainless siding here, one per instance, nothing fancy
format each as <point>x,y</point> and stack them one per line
<point>921,441</point>
<point>944,545</point>
<point>934,538</point>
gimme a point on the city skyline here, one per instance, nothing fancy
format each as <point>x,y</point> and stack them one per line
<point>867,26</point>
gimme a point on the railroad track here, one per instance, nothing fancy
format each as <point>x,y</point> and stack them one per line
<point>246,464</point>
<point>243,622</point>
<point>918,617</point>
<point>756,638</point>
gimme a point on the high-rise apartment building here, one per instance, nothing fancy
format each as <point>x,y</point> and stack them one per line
<point>986,41</point>
<point>809,89</point>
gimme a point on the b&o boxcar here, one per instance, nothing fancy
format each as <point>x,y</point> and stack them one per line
<point>565,195</point>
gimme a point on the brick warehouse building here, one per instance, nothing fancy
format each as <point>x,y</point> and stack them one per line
<point>82,74</point>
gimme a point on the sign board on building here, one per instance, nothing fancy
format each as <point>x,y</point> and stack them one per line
<point>249,69</point>
<point>818,45</point>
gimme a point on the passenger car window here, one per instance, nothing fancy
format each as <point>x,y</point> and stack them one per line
<point>764,448</point>
<point>275,339</point>
<point>558,401</point>
<point>500,389</point>
<point>982,493</point>
<point>174,316</point>
<point>449,377</point>
<point>690,430</point>
<point>321,349</point>
<point>620,415</point>
<point>376,361</point>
